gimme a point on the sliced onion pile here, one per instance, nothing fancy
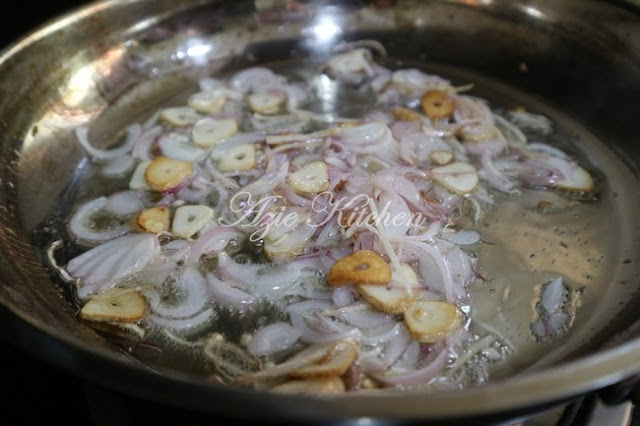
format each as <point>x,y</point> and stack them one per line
<point>348,227</point>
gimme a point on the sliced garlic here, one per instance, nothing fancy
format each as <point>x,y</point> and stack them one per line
<point>268,102</point>
<point>311,387</point>
<point>388,299</point>
<point>138,181</point>
<point>154,220</point>
<point>406,114</point>
<point>311,178</point>
<point>336,363</point>
<point>360,267</point>
<point>209,132</point>
<point>166,173</point>
<point>238,158</point>
<point>430,321</point>
<point>580,181</point>
<point>115,305</point>
<point>405,276</point>
<point>457,177</point>
<point>441,158</point>
<point>393,299</point>
<point>294,137</point>
<point>188,220</point>
<point>437,104</point>
<point>209,101</point>
<point>479,132</point>
<point>179,147</point>
<point>179,116</point>
<point>356,61</point>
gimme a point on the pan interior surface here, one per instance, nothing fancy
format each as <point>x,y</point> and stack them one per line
<point>595,245</point>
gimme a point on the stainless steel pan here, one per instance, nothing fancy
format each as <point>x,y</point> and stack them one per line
<point>107,64</point>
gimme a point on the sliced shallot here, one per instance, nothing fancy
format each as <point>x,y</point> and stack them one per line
<point>106,264</point>
<point>133,134</point>
<point>272,338</point>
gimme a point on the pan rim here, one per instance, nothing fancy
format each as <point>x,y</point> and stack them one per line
<point>523,392</point>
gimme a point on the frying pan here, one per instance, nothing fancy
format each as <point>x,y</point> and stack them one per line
<point>112,62</point>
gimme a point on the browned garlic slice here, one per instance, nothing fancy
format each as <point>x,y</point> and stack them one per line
<point>154,220</point>
<point>268,102</point>
<point>188,220</point>
<point>115,305</point>
<point>360,267</point>
<point>209,101</point>
<point>311,178</point>
<point>179,116</point>
<point>238,158</point>
<point>457,177</point>
<point>311,387</point>
<point>441,158</point>
<point>430,321</point>
<point>437,104</point>
<point>406,114</point>
<point>164,173</point>
<point>209,132</point>
<point>336,363</point>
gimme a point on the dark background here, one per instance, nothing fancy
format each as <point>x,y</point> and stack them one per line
<point>29,384</point>
<point>21,17</point>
